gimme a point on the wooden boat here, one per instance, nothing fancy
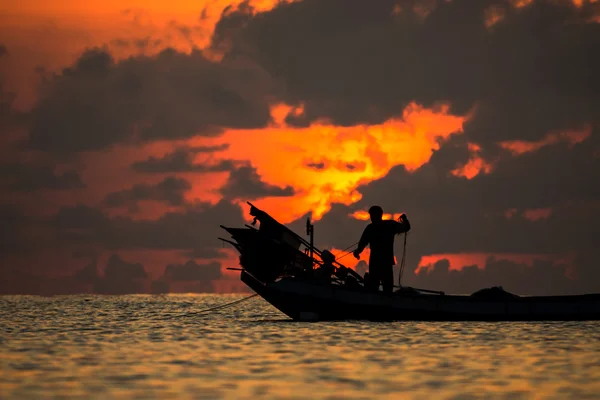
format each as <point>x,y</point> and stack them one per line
<point>312,285</point>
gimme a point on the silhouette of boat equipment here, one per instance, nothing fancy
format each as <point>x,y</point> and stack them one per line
<point>313,285</point>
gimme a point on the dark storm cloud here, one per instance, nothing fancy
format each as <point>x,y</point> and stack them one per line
<point>25,177</point>
<point>3,50</point>
<point>182,160</point>
<point>535,70</point>
<point>245,183</point>
<point>170,190</point>
<point>99,102</point>
<point>194,229</point>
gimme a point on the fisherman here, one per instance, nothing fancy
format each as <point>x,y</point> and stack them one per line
<point>379,235</point>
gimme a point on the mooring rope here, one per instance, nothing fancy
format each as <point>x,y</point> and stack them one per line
<point>222,306</point>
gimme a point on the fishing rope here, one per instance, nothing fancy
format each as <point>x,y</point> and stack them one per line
<point>346,251</point>
<point>226,305</point>
<point>403,261</point>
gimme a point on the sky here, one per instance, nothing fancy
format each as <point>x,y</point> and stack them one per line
<point>130,130</point>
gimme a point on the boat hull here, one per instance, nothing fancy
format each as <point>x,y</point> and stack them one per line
<point>302,300</point>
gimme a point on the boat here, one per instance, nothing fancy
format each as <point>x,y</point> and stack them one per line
<point>308,284</point>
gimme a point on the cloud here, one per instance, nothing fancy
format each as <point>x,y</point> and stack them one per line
<point>121,277</point>
<point>183,160</point>
<point>532,72</point>
<point>27,177</point>
<point>170,190</point>
<point>541,278</point>
<point>99,102</point>
<point>245,183</point>
<point>3,50</point>
<point>476,208</point>
<point>193,229</point>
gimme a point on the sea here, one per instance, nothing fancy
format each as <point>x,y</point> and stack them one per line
<point>177,346</point>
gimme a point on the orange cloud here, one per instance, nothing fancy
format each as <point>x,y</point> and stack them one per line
<point>518,147</point>
<point>493,15</point>
<point>279,153</point>
<point>521,3</point>
<point>364,215</point>
<point>474,166</point>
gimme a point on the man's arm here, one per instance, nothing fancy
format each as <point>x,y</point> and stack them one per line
<point>363,242</point>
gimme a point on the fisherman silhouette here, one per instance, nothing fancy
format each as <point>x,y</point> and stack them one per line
<point>379,235</point>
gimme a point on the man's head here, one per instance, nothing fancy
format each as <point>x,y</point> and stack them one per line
<point>376,213</point>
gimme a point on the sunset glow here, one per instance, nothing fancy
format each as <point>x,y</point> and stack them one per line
<point>408,140</point>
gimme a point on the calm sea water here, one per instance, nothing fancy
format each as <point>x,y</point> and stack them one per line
<point>163,347</point>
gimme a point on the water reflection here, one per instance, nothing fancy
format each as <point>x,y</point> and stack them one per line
<point>162,347</point>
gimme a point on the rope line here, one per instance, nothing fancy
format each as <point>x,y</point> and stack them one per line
<point>403,262</point>
<point>220,307</point>
<point>345,251</point>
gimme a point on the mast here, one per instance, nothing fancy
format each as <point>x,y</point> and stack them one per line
<point>310,230</point>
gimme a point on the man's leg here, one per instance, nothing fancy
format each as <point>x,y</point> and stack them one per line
<point>387,276</point>
<point>374,276</point>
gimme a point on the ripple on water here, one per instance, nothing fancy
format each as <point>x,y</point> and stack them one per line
<point>162,347</point>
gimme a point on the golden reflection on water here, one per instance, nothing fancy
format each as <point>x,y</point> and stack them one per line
<point>162,347</point>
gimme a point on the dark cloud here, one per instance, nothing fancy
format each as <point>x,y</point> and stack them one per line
<point>120,277</point>
<point>540,278</point>
<point>88,274</point>
<point>99,102</point>
<point>3,50</point>
<point>326,164</point>
<point>183,160</point>
<point>24,177</point>
<point>245,183</point>
<point>535,70</point>
<point>232,20</point>
<point>316,165</point>
<point>170,190</point>
<point>194,229</point>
